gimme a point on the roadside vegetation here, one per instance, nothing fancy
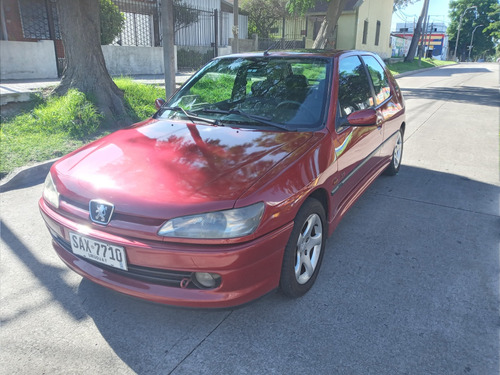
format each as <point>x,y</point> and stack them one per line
<point>59,125</point>
<point>402,67</point>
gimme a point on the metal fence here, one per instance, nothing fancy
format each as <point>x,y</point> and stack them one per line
<point>142,23</point>
<point>274,43</point>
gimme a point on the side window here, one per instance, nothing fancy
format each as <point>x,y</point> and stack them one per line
<point>354,88</point>
<point>379,79</point>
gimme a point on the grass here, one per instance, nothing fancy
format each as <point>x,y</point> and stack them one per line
<point>402,67</point>
<point>59,125</point>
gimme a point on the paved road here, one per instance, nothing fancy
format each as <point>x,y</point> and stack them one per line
<point>409,284</point>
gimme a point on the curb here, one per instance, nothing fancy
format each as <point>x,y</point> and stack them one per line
<point>411,72</point>
<point>26,176</point>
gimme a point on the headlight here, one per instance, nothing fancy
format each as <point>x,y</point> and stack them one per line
<point>238,222</point>
<point>50,192</point>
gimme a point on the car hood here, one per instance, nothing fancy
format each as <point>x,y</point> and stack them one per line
<point>166,169</point>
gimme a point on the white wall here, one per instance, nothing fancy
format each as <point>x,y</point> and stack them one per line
<point>127,60</point>
<point>27,60</point>
<point>36,60</point>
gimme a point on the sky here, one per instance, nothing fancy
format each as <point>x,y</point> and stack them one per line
<point>438,11</point>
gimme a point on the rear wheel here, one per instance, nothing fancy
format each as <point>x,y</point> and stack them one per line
<point>397,156</point>
<point>304,250</point>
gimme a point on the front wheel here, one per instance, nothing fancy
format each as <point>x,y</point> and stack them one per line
<point>304,250</point>
<point>397,155</point>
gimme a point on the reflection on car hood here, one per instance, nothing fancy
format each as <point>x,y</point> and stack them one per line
<point>163,165</point>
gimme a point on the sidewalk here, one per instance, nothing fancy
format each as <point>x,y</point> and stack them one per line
<point>20,90</point>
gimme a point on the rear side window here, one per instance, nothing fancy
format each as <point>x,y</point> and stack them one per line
<point>354,88</point>
<point>379,79</point>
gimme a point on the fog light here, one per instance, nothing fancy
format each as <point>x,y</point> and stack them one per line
<point>206,280</point>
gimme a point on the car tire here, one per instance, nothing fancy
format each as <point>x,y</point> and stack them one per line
<point>304,250</point>
<point>397,155</point>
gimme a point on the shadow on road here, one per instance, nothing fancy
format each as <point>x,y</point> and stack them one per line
<point>50,277</point>
<point>463,94</point>
<point>410,280</point>
<point>448,71</point>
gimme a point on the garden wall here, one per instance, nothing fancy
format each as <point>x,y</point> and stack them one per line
<point>27,60</point>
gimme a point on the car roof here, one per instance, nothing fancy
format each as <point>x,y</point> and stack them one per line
<point>298,53</point>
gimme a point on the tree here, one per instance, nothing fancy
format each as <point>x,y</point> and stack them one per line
<point>416,33</point>
<point>326,35</point>
<point>112,21</point>
<point>484,36</point>
<point>263,15</point>
<point>85,68</point>
<point>493,29</point>
<point>400,4</point>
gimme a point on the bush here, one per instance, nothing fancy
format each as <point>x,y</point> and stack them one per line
<point>112,21</point>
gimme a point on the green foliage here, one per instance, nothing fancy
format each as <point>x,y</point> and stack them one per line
<point>301,6</point>
<point>263,15</point>
<point>139,98</point>
<point>112,21</point>
<point>484,37</point>
<point>204,88</point>
<point>58,125</point>
<point>72,114</point>
<point>493,29</point>
<point>400,4</point>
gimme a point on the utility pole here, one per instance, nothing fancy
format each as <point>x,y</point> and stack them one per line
<point>422,44</point>
<point>167,22</point>
<point>458,30</point>
<point>417,32</point>
<point>472,39</point>
<point>236,43</point>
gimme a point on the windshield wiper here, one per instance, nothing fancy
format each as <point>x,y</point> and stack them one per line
<point>260,119</point>
<point>193,117</point>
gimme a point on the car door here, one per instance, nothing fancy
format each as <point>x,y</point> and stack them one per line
<point>355,146</point>
<point>387,105</point>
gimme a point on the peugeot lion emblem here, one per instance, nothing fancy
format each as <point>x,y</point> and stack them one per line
<point>100,211</point>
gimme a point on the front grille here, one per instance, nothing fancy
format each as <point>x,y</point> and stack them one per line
<point>146,274</point>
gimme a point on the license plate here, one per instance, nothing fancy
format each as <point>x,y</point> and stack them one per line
<point>98,251</point>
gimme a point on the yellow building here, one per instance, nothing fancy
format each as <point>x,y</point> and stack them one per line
<point>364,25</point>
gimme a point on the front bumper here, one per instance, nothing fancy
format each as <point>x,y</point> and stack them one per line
<point>158,271</point>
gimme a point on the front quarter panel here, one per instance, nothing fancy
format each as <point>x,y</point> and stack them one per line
<point>284,189</point>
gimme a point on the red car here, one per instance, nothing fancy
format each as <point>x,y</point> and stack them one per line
<point>230,190</point>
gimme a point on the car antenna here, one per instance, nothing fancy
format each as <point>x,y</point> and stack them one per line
<point>266,52</point>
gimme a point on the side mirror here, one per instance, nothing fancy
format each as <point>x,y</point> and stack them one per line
<point>365,117</point>
<point>159,103</point>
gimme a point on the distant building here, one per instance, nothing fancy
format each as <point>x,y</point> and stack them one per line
<point>435,42</point>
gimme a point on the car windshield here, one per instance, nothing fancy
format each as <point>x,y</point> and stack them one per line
<point>270,92</point>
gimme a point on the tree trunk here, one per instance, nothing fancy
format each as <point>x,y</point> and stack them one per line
<point>416,34</point>
<point>326,35</point>
<point>167,21</point>
<point>85,68</point>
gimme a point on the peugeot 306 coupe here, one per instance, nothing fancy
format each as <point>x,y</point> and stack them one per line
<point>231,189</point>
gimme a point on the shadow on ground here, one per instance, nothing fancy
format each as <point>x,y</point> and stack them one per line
<point>409,284</point>
<point>463,94</point>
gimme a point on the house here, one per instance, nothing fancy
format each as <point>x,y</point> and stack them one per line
<point>364,24</point>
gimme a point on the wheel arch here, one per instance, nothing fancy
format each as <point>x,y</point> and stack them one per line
<point>321,195</point>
